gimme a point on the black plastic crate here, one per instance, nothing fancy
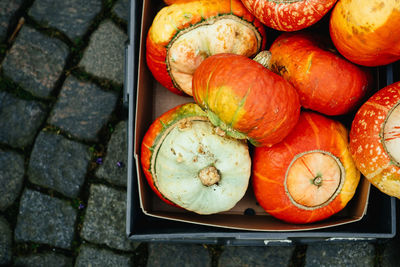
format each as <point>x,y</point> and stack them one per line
<point>379,223</point>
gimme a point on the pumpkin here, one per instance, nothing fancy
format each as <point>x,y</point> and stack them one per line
<point>189,164</point>
<point>245,99</point>
<point>289,15</point>
<point>367,32</point>
<point>375,139</point>
<point>325,81</point>
<point>184,34</point>
<point>310,175</point>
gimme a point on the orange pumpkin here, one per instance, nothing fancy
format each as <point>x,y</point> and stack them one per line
<point>245,99</point>
<point>375,139</point>
<point>184,34</point>
<point>310,175</point>
<point>367,32</point>
<point>289,15</point>
<point>325,81</point>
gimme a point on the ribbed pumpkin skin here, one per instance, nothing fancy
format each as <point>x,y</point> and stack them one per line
<point>246,97</point>
<point>325,82</point>
<point>174,18</point>
<point>312,132</point>
<point>289,15</point>
<point>156,130</point>
<point>367,137</point>
<point>367,32</point>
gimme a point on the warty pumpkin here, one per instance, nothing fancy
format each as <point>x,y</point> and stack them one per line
<point>189,164</point>
<point>367,32</point>
<point>184,34</point>
<point>289,15</point>
<point>375,139</point>
<point>310,175</point>
<point>245,99</point>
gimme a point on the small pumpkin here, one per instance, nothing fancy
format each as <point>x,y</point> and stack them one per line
<point>189,164</point>
<point>325,81</point>
<point>375,139</point>
<point>245,99</point>
<point>310,175</point>
<point>184,34</point>
<point>289,15</point>
<point>367,32</point>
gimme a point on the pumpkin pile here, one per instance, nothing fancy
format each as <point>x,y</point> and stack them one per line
<point>272,119</point>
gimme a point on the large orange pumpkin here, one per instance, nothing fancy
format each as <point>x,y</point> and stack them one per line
<point>375,139</point>
<point>245,99</point>
<point>289,15</point>
<point>184,34</point>
<point>310,175</point>
<point>325,81</point>
<point>367,32</point>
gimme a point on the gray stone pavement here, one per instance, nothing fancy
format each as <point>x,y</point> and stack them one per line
<point>63,152</point>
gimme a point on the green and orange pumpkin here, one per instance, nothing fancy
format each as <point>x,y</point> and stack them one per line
<point>184,34</point>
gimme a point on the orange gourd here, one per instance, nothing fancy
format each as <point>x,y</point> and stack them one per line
<point>310,175</point>
<point>245,99</point>
<point>367,32</point>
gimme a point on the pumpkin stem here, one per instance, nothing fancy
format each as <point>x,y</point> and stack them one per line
<point>264,58</point>
<point>209,176</point>
<point>317,180</point>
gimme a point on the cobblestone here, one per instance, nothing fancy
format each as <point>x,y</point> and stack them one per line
<point>5,242</point>
<point>19,120</point>
<point>105,218</point>
<point>82,109</point>
<point>105,55</point>
<point>73,17</point>
<point>11,177</point>
<point>7,11</point>
<point>95,257</point>
<point>49,259</point>
<point>46,220</point>
<point>256,256</point>
<point>178,255</point>
<point>58,163</point>
<point>122,9</point>
<point>114,167</point>
<point>35,61</point>
<point>340,254</point>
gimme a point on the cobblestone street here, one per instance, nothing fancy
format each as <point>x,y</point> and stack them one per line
<point>63,151</point>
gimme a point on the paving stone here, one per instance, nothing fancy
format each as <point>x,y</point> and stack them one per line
<point>96,257</point>
<point>58,163</point>
<point>104,221</point>
<point>7,11</point>
<point>104,56</point>
<point>114,167</point>
<point>340,254</point>
<point>35,61</point>
<point>122,9</point>
<point>161,254</point>
<point>11,177</point>
<point>73,17</point>
<point>5,242</point>
<point>49,259</point>
<point>45,219</point>
<point>391,253</point>
<point>82,108</point>
<point>256,256</point>
<point>19,120</point>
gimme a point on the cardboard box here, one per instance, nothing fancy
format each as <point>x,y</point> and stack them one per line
<point>145,208</point>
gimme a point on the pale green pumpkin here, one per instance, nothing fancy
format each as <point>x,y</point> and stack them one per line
<point>198,168</point>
